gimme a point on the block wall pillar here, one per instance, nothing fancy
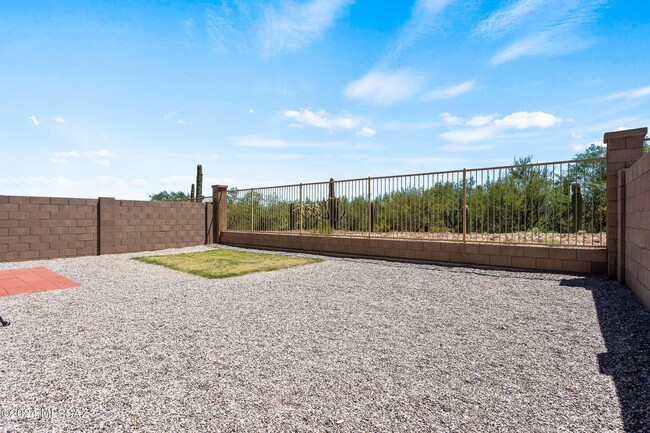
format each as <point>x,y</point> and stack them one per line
<point>624,148</point>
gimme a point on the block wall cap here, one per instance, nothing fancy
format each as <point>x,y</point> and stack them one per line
<point>625,133</point>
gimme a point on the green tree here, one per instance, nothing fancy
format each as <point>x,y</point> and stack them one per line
<point>169,196</point>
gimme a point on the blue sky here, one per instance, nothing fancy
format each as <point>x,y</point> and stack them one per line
<point>124,99</point>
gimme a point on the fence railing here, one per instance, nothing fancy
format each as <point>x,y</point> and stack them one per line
<point>560,203</point>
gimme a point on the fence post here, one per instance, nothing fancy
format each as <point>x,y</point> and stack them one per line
<point>369,209</point>
<point>219,211</point>
<point>300,211</point>
<point>464,204</point>
<point>252,203</point>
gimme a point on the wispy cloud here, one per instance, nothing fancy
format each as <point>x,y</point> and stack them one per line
<point>296,25</point>
<point>423,21</point>
<point>100,157</point>
<point>540,27</point>
<point>34,120</point>
<point>60,120</point>
<point>226,23</point>
<point>640,92</point>
<point>509,17</point>
<point>385,88</point>
<point>321,119</point>
<point>450,92</point>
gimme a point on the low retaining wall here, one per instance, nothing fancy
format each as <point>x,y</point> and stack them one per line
<point>548,258</point>
<point>52,227</point>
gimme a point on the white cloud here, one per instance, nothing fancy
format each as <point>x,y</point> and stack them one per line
<point>470,135</point>
<point>251,111</point>
<point>100,157</point>
<point>321,120</point>
<point>34,120</point>
<point>451,120</point>
<point>59,120</point>
<point>450,91</point>
<point>385,88</point>
<point>478,121</point>
<point>170,115</point>
<point>481,128</point>
<point>296,25</point>
<point>182,122</point>
<point>524,119</point>
<point>366,131</point>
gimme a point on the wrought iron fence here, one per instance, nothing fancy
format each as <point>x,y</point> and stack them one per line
<point>560,203</point>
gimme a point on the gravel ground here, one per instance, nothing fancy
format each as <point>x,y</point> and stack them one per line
<point>342,345</point>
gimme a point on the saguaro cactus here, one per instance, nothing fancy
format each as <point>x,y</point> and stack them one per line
<point>199,182</point>
<point>192,192</point>
<point>333,206</point>
<point>576,207</point>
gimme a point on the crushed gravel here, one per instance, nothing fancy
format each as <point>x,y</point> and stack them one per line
<point>341,345</point>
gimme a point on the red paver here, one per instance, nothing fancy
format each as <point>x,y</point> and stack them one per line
<point>32,280</point>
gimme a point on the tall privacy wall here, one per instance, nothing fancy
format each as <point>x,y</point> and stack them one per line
<point>52,227</point>
<point>633,255</point>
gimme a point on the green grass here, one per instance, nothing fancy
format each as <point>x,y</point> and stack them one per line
<point>225,263</point>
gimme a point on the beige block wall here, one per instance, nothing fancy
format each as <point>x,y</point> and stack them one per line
<point>637,229</point>
<point>563,259</point>
<point>47,227</point>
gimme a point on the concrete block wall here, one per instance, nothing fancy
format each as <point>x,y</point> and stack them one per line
<point>47,227</point>
<point>149,226</point>
<point>549,258</point>
<point>624,148</point>
<point>636,269</point>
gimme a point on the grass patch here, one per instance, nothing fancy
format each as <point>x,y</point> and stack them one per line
<point>225,263</point>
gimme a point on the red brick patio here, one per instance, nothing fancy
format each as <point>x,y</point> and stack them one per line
<point>32,280</point>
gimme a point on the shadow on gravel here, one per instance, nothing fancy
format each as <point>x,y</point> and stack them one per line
<point>625,326</point>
